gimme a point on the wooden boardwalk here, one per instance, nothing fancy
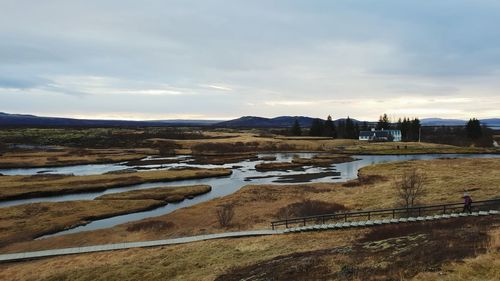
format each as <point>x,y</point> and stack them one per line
<point>130,245</point>
<point>318,227</point>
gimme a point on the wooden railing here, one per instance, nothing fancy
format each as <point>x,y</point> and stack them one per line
<point>426,210</point>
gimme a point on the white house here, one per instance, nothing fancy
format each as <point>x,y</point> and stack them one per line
<point>380,135</point>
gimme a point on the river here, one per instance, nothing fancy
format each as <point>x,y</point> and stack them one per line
<point>221,186</point>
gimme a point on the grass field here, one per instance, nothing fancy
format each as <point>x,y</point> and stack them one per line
<point>257,205</point>
<point>68,156</point>
<point>431,250</point>
<point>45,185</point>
<point>341,146</point>
<point>28,221</point>
<point>210,147</point>
<point>167,194</point>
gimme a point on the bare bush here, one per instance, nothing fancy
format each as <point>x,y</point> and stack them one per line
<point>410,188</point>
<point>3,148</point>
<point>309,208</point>
<point>225,214</point>
<point>211,147</point>
<point>152,225</point>
<point>167,148</point>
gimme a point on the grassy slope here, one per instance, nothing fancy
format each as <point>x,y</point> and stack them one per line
<point>46,185</point>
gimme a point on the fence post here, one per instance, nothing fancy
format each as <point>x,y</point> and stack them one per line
<point>304,222</point>
<point>444,210</point>
<point>393,213</point>
<point>369,215</point>
<point>286,223</point>
<point>419,211</point>
<point>345,217</point>
<point>272,225</point>
<point>323,220</point>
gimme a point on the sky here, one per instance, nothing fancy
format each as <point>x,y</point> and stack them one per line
<point>207,59</point>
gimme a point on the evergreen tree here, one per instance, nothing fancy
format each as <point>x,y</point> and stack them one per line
<point>399,125</point>
<point>341,132</point>
<point>473,129</point>
<point>364,127</point>
<point>329,128</point>
<point>350,129</point>
<point>415,129</point>
<point>296,130</point>
<point>316,129</point>
<point>383,122</point>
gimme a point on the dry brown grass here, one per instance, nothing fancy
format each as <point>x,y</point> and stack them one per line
<point>277,166</point>
<point>356,254</point>
<point>45,185</point>
<point>483,267</point>
<point>167,194</point>
<point>198,261</point>
<point>68,156</point>
<point>28,221</point>
<point>257,205</point>
<point>347,146</point>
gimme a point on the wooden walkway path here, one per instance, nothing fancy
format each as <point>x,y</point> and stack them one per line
<point>318,227</point>
<point>130,245</point>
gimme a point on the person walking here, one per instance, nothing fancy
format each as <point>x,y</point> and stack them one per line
<point>467,203</point>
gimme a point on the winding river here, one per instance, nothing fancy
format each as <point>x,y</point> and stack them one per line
<point>221,186</point>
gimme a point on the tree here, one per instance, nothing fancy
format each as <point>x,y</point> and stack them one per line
<point>329,129</point>
<point>3,148</point>
<point>341,133</point>
<point>415,129</point>
<point>473,129</point>
<point>351,130</point>
<point>316,128</point>
<point>410,188</point>
<point>225,214</point>
<point>296,130</point>
<point>364,126</point>
<point>383,122</point>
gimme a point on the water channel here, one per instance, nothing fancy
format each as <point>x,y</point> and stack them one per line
<point>221,186</point>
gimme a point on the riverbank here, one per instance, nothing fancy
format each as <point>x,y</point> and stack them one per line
<point>69,156</point>
<point>256,205</point>
<point>29,221</point>
<point>22,187</point>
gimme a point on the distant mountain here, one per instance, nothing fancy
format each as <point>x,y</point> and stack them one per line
<point>277,122</point>
<point>7,119</point>
<point>179,122</point>
<point>491,122</point>
<point>442,122</point>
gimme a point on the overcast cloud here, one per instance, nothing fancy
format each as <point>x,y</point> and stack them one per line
<point>222,59</point>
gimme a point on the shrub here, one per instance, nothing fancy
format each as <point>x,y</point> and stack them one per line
<point>211,147</point>
<point>150,225</point>
<point>410,188</point>
<point>167,148</point>
<point>225,214</point>
<point>309,208</point>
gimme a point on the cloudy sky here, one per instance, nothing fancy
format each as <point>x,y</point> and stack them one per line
<point>222,59</point>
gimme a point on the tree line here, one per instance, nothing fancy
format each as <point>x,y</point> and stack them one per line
<point>411,130</point>
<point>345,129</point>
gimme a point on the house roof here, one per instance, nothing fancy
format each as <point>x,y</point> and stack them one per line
<point>378,134</point>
